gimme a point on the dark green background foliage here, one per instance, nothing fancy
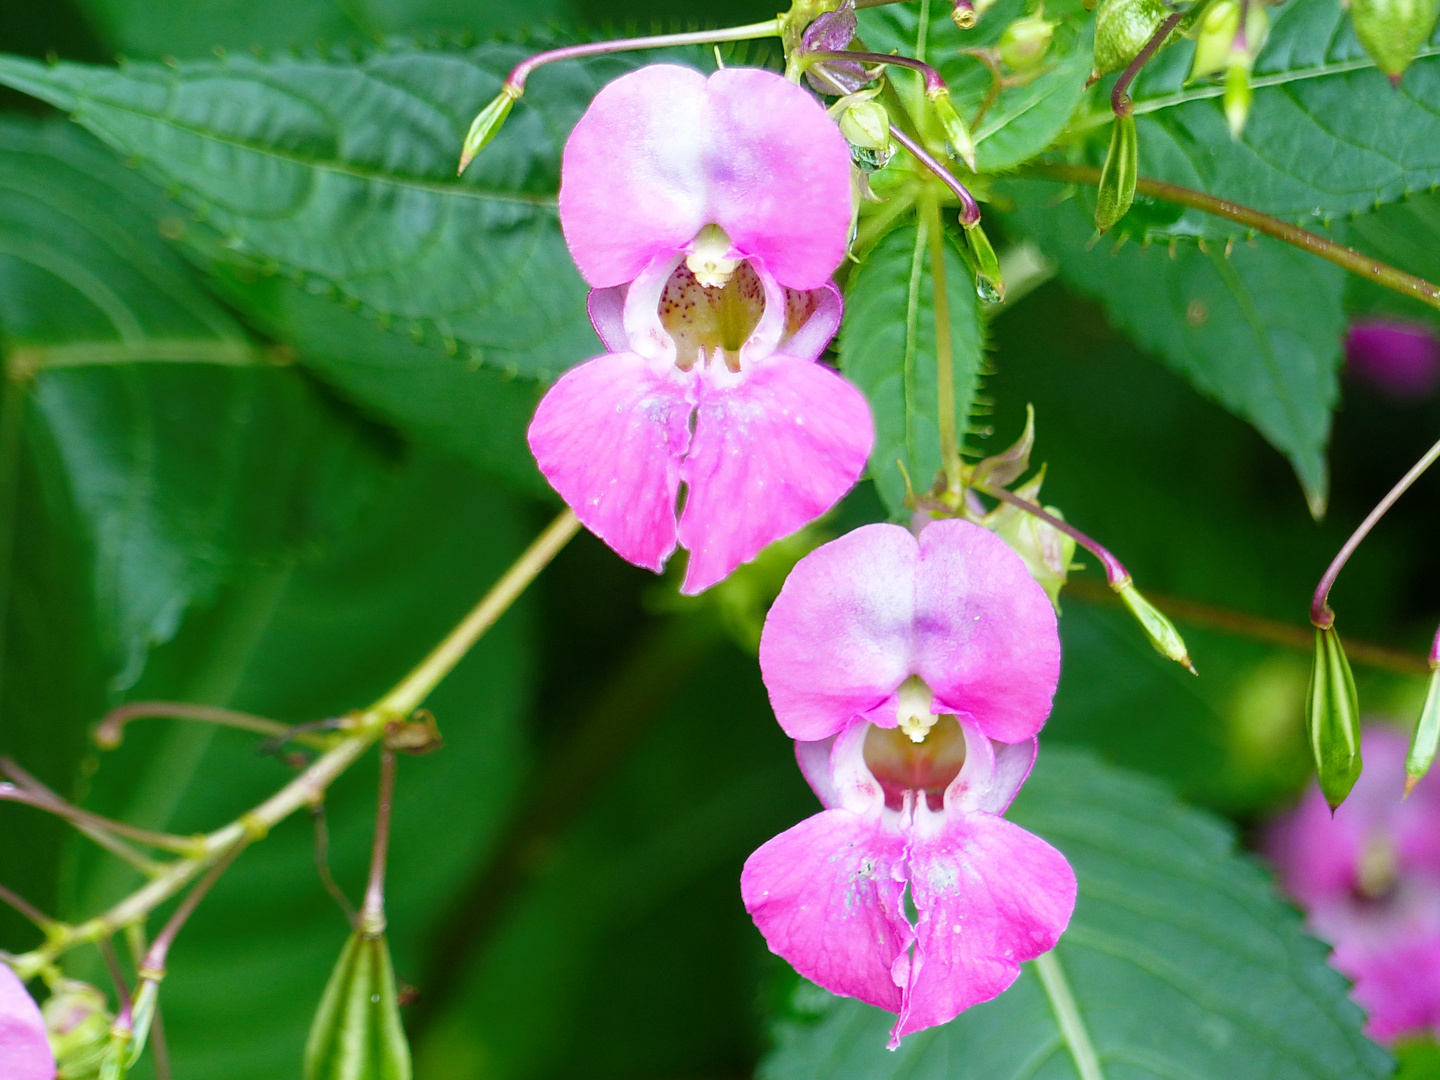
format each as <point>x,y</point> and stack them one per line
<point>268,365</point>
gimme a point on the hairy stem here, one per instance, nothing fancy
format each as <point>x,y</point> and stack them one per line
<point>944,353</point>
<point>1339,254</point>
<point>1120,96</point>
<point>515,81</point>
<point>372,910</point>
<point>1320,614</point>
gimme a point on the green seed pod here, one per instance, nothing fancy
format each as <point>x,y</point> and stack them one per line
<point>487,124</point>
<point>77,1020</point>
<point>1122,27</point>
<point>988,283</point>
<point>1160,630</point>
<point>1333,718</point>
<point>1024,43</point>
<point>1216,34</point>
<point>1117,178</point>
<point>1426,739</point>
<point>357,1034</point>
<point>961,142</point>
<point>1047,551</point>
<point>1392,31</point>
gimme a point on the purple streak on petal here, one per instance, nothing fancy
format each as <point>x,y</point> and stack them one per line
<point>986,642</point>
<point>773,449</point>
<point>1400,359</point>
<point>634,184</point>
<point>24,1048</point>
<point>609,436</point>
<point>989,896</point>
<point>818,311</point>
<point>828,897</point>
<point>607,315</point>
<point>838,639</point>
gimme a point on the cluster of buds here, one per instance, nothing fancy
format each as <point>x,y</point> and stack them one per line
<point>1229,35</point>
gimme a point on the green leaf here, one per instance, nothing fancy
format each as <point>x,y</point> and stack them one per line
<point>887,349</point>
<point>341,174</point>
<point>187,454</point>
<point>1024,120</point>
<point>1327,134</point>
<point>1180,960</point>
<point>1256,327</point>
<point>151,29</point>
<point>1406,235</point>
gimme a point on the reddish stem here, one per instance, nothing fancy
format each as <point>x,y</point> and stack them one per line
<point>969,209</point>
<point>1120,96</point>
<point>1115,571</point>
<point>1321,617</point>
<point>154,964</point>
<point>24,907</point>
<point>372,910</point>
<point>934,81</point>
<point>1435,650</point>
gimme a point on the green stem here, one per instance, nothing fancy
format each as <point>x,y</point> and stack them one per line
<point>944,351</point>
<point>1339,254</point>
<point>1067,1016</point>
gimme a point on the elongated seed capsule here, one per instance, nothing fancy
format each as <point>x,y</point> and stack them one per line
<point>1333,718</point>
<point>1117,178</point>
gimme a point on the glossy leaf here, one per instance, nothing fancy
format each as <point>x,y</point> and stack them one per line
<point>1167,915</point>
<point>1256,327</point>
<point>887,348</point>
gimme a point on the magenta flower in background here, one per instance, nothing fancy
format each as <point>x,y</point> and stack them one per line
<point>708,215</point>
<point>1369,883</point>
<point>914,675</point>
<point>1401,359</point>
<point>24,1048</point>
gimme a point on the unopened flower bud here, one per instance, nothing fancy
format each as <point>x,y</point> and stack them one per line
<point>1122,27</point>
<point>1024,43</point>
<point>77,1020</point>
<point>1117,178</point>
<point>956,132</point>
<point>1238,98</point>
<point>988,282</point>
<point>1392,31</point>
<point>487,124</point>
<point>832,32</point>
<point>964,14</point>
<point>357,1033</point>
<point>1332,718</point>
<point>1160,630</point>
<point>1426,739</point>
<point>1047,551</point>
<point>866,126</point>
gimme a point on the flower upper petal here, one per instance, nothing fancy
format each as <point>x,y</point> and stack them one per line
<point>609,436</point>
<point>773,449</point>
<point>828,897</point>
<point>989,896</point>
<point>663,152</point>
<point>986,641</point>
<point>24,1050</point>
<point>838,639</point>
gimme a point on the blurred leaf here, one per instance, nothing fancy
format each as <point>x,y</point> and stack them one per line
<point>150,29</point>
<point>247,974</point>
<point>1257,328</point>
<point>1406,235</point>
<point>186,453</point>
<point>626,947</point>
<point>1024,120</point>
<point>887,349</point>
<point>1327,134</point>
<point>1180,958</point>
<point>341,174</point>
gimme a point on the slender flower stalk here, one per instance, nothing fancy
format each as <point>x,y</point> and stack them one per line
<point>944,353</point>
<point>1357,263</point>
<point>322,864</point>
<point>1120,95</point>
<point>969,209</point>
<point>1320,614</point>
<point>934,81</point>
<point>30,911</point>
<point>111,730</point>
<point>372,911</point>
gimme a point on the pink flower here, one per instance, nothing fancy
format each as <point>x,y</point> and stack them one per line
<point>1369,882</point>
<point>1401,359</point>
<point>914,676</point>
<point>24,1049</point>
<point>708,215</point>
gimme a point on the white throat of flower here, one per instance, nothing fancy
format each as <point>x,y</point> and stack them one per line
<point>913,712</point>
<point>708,262</point>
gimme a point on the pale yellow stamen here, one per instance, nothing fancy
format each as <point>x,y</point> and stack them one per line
<point>1377,870</point>
<point>913,714</point>
<point>708,262</point>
